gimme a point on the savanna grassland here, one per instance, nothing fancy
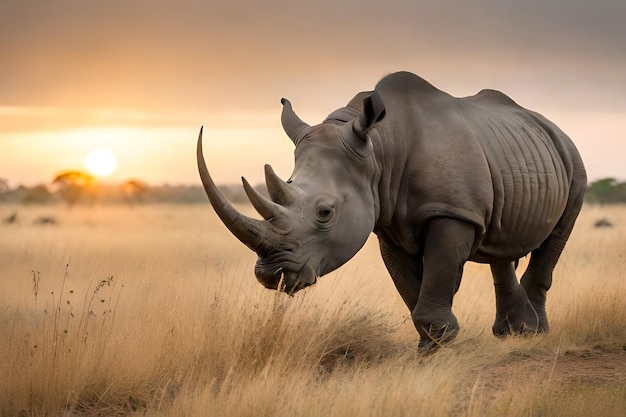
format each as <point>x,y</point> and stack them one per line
<point>155,311</point>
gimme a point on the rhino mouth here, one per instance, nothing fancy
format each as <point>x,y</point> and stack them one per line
<point>289,278</point>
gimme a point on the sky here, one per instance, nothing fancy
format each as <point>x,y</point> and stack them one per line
<point>139,77</point>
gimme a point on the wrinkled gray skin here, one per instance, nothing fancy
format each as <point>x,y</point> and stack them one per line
<point>440,180</point>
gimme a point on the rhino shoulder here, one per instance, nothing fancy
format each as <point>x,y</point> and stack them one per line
<point>404,82</point>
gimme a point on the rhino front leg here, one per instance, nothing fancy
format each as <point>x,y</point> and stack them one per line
<point>514,312</point>
<point>405,269</point>
<point>447,246</point>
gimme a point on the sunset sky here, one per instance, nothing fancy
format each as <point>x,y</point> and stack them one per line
<point>139,77</point>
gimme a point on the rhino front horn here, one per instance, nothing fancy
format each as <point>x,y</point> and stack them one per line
<point>258,235</point>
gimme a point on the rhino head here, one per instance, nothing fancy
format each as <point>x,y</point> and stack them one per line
<point>318,219</point>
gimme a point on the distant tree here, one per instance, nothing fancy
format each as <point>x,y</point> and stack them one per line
<point>4,188</point>
<point>39,194</point>
<point>133,191</point>
<point>74,185</point>
<point>606,191</point>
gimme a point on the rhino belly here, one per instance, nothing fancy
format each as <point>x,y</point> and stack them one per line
<point>524,217</point>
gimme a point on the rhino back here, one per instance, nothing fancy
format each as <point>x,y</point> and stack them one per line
<point>481,159</point>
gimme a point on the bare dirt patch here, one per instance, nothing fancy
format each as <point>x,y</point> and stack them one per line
<point>591,366</point>
<point>598,366</point>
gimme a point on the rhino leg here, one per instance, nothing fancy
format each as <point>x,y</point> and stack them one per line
<point>405,269</point>
<point>447,246</point>
<point>537,278</point>
<point>514,312</point>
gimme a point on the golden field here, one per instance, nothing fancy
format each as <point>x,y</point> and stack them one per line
<point>154,310</point>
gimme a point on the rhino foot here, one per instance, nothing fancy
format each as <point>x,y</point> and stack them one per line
<point>435,326</point>
<point>432,340</point>
<point>520,314</point>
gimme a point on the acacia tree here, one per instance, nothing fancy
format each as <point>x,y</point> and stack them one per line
<point>133,191</point>
<point>74,185</point>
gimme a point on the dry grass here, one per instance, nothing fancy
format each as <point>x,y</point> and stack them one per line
<point>155,311</point>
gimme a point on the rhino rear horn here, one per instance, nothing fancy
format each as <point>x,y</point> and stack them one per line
<point>281,195</point>
<point>266,208</point>
<point>280,192</point>
<point>295,128</point>
<point>256,234</point>
<point>373,112</point>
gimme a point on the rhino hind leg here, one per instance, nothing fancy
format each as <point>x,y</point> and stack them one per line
<point>537,278</point>
<point>447,246</point>
<point>515,313</point>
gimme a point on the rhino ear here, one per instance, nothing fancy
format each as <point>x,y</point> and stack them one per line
<point>373,112</point>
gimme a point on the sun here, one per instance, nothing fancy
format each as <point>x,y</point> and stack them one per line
<point>101,162</point>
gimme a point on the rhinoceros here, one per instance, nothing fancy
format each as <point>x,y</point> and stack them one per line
<point>440,180</point>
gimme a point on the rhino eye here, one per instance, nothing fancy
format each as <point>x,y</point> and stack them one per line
<point>324,213</point>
